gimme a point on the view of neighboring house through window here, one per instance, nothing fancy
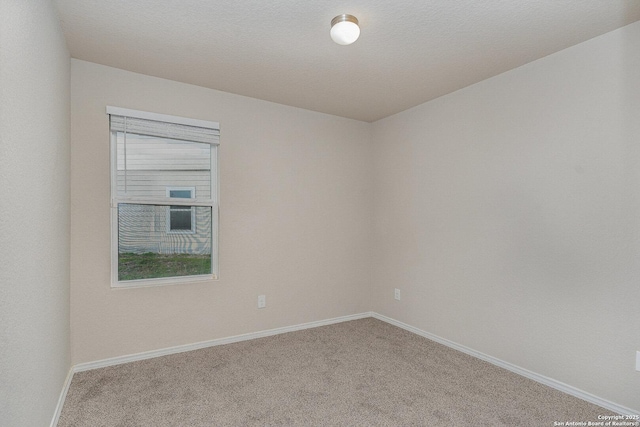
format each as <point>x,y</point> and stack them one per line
<point>164,198</point>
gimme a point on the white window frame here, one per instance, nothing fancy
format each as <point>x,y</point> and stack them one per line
<point>213,202</point>
<point>192,190</point>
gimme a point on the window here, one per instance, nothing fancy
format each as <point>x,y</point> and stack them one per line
<point>164,198</point>
<point>181,219</point>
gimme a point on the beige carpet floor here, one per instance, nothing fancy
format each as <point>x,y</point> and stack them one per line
<point>359,373</point>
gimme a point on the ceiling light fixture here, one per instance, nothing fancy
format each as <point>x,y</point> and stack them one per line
<point>344,29</point>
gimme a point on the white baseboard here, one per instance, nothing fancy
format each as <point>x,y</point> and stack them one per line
<point>565,388</point>
<point>61,398</point>
<point>211,343</point>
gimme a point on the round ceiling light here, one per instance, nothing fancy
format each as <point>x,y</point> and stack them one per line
<point>344,29</point>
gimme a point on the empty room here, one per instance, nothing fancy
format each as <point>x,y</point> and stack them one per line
<point>310,213</point>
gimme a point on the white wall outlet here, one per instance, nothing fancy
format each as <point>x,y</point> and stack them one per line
<point>396,294</point>
<point>262,301</point>
<point>637,360</point>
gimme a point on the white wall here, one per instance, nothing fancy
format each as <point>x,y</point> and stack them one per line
<point>508,213</point>
<point>34,212</point>
<point>295,214</point>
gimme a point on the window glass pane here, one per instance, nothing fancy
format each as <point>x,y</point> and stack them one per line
<point>180,219</point>
<point>147,165</point>
<point>148,249</point>
<point>181,194</point>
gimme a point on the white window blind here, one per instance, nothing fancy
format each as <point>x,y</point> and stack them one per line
<point>164,129</point>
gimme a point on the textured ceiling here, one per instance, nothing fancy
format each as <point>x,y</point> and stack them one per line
<point>409,51</point>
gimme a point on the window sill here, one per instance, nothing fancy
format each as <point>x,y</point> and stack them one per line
<point>164,281</point>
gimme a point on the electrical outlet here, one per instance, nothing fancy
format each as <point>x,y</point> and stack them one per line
<point>637,360</point>
<point>396,294</point>
<point>262,301</point>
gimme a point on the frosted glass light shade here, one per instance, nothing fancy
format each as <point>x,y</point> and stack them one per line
<point>345,29</point>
